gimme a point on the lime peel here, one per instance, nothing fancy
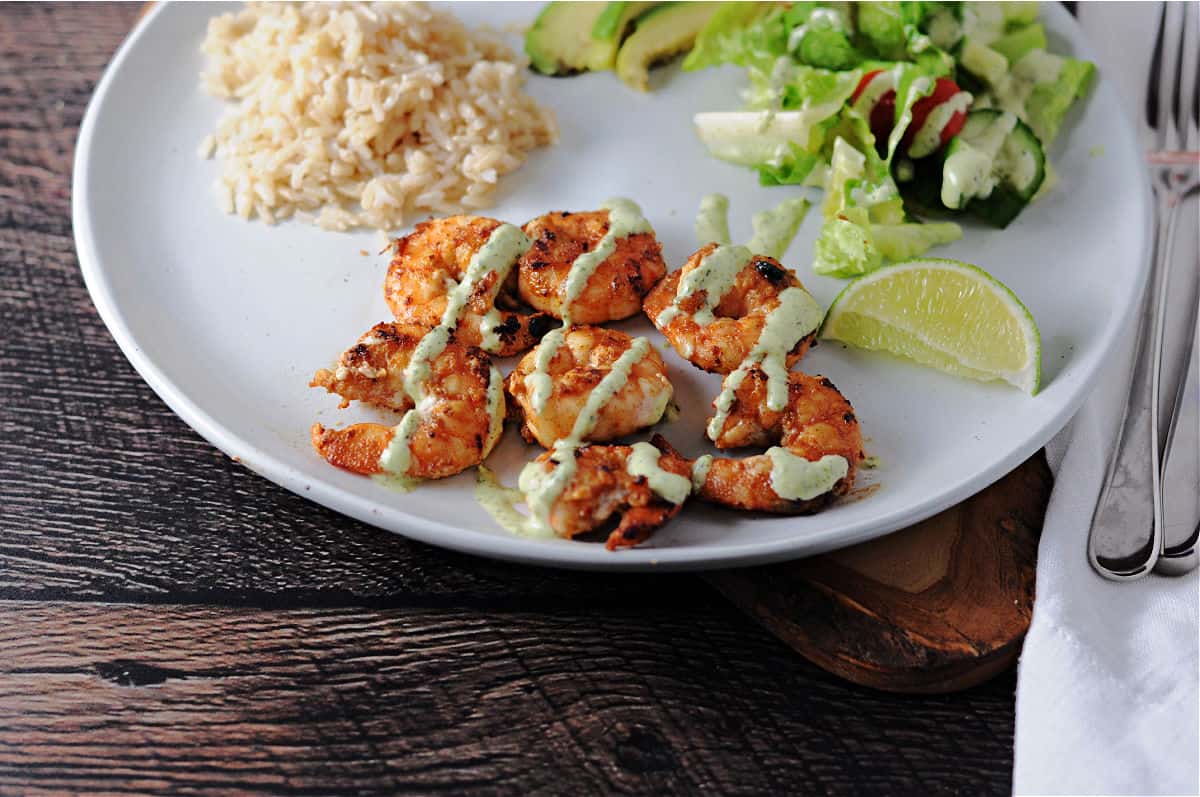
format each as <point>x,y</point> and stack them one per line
<point>944,314</point>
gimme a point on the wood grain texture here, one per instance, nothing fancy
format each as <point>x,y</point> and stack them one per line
<point>305,651</point>
<point>940,606</point>
<point>213,699</point>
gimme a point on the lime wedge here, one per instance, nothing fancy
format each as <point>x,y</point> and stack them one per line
<point>944,314</point>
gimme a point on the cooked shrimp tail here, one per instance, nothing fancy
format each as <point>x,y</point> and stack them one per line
<point>638,524</point>
<point>356,448</point>
<point>372,370</point>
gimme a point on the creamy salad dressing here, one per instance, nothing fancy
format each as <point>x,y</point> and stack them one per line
<point>797,479</point>
<point>883,82</point>
<point>712,222</point>
<point>624,219</point>
<point>540,487</point>
<point>669,486</point>
<point>488,324</point>
<point>969,170</point>
<point>797,315</point>
<point>700,470</point>
<point>396,458</point>
<point>774,229</point>
<point>501,503</point>
<point>715,275</point>
<point>504,247</point>
<point>1011,92</point>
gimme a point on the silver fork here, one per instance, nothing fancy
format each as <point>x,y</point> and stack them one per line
<point>1180,443</point>
<point>1127,527</point>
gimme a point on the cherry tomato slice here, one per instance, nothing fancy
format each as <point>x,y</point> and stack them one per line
<point>944,89</point>
<point>953,127</point>
<point>862,85</point>
<point>882,119</point>
<point>882,114</point>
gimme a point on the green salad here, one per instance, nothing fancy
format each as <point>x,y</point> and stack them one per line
<point>896,109</point>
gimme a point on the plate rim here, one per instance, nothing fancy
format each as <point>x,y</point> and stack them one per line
<point>515,548</point>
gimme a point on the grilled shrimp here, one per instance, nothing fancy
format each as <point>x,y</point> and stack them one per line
<point>585,357</point>
<point>607,481</point>
<point>717,333</point>
<point>613,290</point>
<point>816,441</point>
<point>430,262</point>
<point>458,422</point>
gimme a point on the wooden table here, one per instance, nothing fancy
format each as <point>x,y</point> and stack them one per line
<point>169,620</point>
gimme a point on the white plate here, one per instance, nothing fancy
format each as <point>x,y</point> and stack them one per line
<point>227,320</point>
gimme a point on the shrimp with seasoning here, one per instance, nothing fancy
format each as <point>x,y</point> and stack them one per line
<point>646,484</point>
<point>428,264</point>
<point>613,288</point>
<point>454,427</point>
<point>713,310</point>
<point>580,363</point>
<point>816,447</point>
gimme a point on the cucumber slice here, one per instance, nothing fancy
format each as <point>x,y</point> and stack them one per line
<point>993,167</point>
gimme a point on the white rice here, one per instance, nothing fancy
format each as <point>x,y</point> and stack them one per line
<point>362,115</point>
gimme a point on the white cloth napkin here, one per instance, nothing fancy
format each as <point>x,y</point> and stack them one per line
<point>1108,688</point>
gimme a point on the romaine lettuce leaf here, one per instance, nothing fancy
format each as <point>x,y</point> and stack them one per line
<point>845,247</point>
<point>913,81</point>
<point>758,138</point>
<point>791,86</point>
<point>746,34</point>
<point>882,25</point>
<point>1048,103</point>
<point>822,38</point>
<point>898,242</point>
<point>850,245</point>
<point>795,167</point>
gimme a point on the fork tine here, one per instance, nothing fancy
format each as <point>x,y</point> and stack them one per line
<point>1193,91</point>
<point>1168,79</point>
<point>1181,96</point>
<point>1155,73</point>
<point>1176,78</point>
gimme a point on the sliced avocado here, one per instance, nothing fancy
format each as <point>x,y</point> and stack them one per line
<point>613,23</point>
<point>610,30</point>
<point>660,33</point>
<point>560,40</point>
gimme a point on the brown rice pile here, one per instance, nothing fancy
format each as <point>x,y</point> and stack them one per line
<point>359,115</point>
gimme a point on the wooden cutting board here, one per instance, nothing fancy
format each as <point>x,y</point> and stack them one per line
<point>938,607</point>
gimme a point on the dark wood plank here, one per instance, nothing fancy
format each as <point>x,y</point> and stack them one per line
<point>134,698</point>
<point>409,666</point>
<point>107,494</point>
<point>937,607</point>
